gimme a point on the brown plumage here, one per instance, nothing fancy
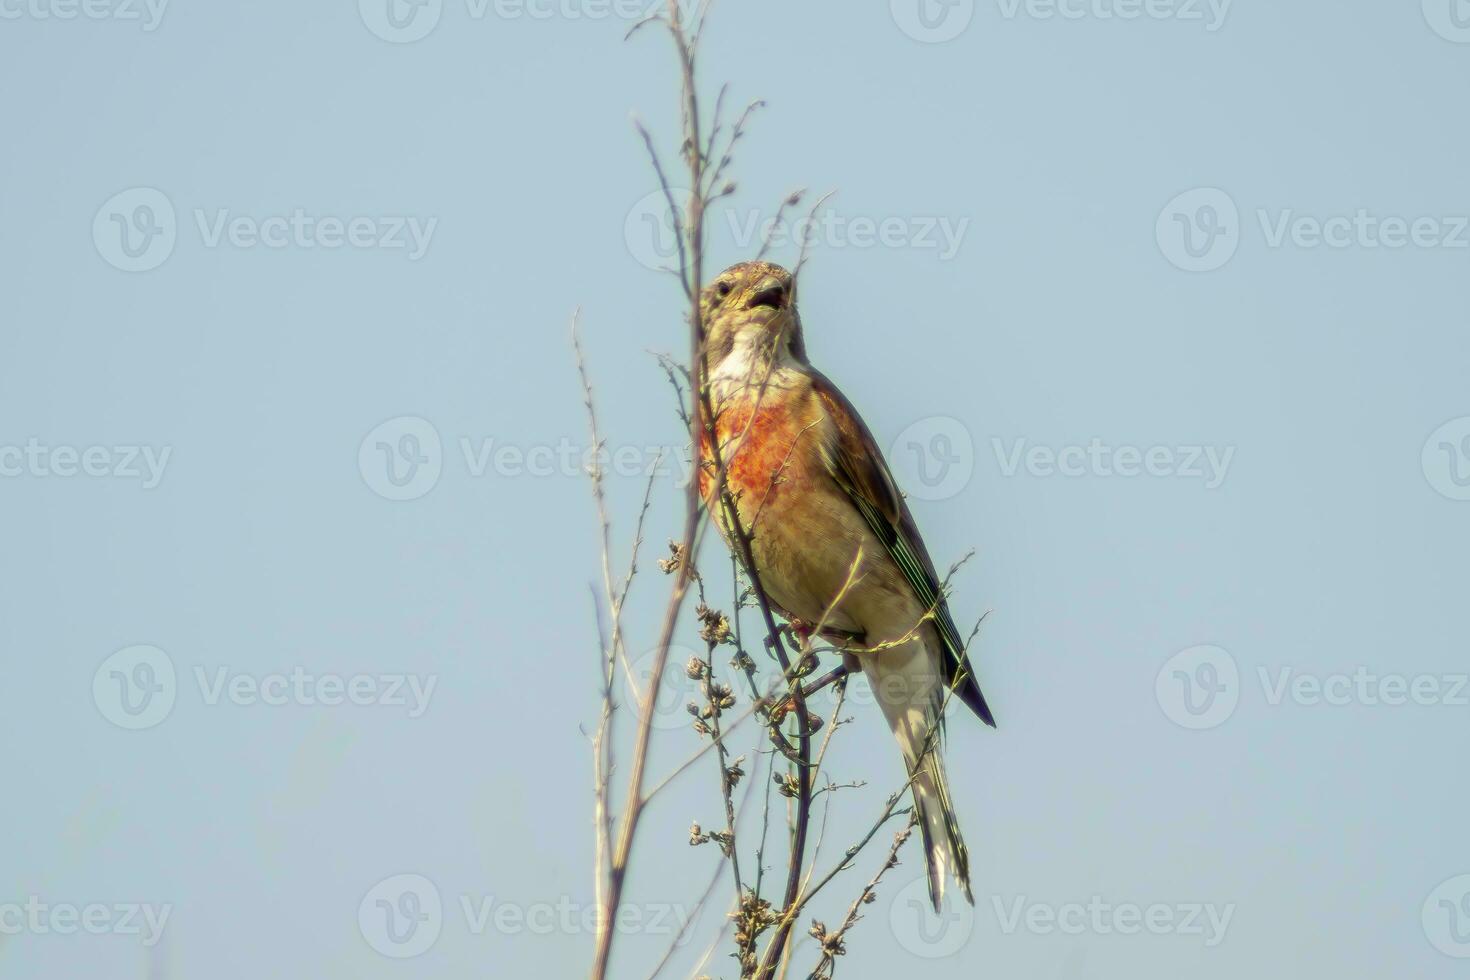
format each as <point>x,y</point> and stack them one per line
<point>811,484</point>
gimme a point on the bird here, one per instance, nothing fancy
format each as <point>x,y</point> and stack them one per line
<point>835,547</point>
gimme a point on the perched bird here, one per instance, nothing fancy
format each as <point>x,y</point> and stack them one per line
<point>835,547</point>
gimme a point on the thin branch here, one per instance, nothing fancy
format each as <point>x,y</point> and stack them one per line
<point>833,944</point>
<point>691,265</point>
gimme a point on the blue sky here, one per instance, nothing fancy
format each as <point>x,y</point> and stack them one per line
<point>1157,306</point>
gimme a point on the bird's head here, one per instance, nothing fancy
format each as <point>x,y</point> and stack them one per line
<point>751,307</point>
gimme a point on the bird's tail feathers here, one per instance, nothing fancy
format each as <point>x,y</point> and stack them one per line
<point>912,702</point>
<point>944,846</point>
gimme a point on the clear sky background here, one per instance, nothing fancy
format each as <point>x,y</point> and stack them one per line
<point>1226,686</point>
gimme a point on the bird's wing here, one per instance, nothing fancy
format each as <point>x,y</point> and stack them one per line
<point>856,464</point>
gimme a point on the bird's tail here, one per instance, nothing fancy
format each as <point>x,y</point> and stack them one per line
<point>909,690</point>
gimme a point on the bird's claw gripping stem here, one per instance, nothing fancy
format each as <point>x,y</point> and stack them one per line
<point>787,704</point>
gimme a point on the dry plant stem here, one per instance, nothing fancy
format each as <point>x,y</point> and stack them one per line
<point>711,720</point>
<point>755,778</point>
<point>704,417</point>
<point>802,818</point>
<point>616,597</point>
<point>612,645</point>
<point>833,723</point>
<point>702,751</point>
<point>602,765</point>
<point>628,828</point>
<point>701,422</point>
<point>890,810</point>
<point>712,698</point>
<point>834,940</point>
<point>617,872</point>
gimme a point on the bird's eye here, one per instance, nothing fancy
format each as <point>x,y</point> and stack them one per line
<point>723,289</point>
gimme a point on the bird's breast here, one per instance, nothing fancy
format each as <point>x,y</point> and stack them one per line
<point>767,450</point>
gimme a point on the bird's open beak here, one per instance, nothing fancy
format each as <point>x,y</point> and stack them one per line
<point>771,292</point>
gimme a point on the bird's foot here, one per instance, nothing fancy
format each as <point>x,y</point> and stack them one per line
<point>788,704</point>
<point>802,633</point>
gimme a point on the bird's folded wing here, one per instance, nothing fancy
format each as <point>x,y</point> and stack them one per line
<point>856,464</point>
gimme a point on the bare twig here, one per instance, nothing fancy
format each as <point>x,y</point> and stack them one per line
<point>832,943</point>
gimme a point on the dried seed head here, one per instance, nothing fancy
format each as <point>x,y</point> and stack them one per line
<point>735,772</point>
<point>671,564</point>
<point>714,625</point>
